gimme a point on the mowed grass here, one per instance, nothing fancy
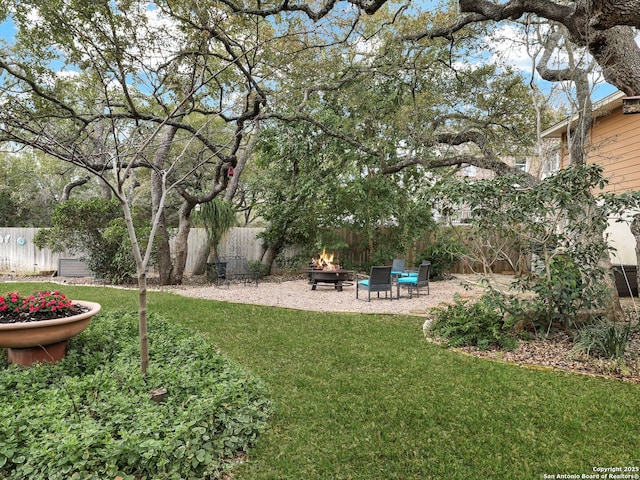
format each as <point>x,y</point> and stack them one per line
<point>366,397</point>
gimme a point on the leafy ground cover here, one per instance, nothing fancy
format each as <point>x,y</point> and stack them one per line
<point>366,397</point>
<point>91,415</point>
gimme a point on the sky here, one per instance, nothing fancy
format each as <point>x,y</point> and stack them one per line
<point>7,30</point>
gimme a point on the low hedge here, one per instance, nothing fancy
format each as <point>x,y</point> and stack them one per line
<point>91,415</point>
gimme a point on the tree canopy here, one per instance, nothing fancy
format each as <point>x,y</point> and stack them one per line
<point>174,93</point>
<point>607,28</point>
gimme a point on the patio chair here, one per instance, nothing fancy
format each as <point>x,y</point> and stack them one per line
<point>379,280</point>
<point>217,273</point>
<point>417,281</point>
<point>237,268</point>
<point>397,268</point>
<point>415,272</point>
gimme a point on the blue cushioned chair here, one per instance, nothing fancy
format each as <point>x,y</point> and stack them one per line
<point>397,268</point>
<point>379,280</point>
<point>417,281</point>
<point>415,273</point>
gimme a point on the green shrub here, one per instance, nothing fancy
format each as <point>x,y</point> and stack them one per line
<point>604,340</point>
<point>294,263</point>
<point>560,294</point>
<point>443,253</point>
<point>95,231</point>
<point>257,268</point>
<point>556,225</point>
<point>474,323</point>
<point>91,415</point>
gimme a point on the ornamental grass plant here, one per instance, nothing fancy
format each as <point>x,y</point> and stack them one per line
<point>366,397</point>
<point>603,340</point>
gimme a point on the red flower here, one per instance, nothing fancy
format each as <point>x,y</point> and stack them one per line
<point>45,302</point>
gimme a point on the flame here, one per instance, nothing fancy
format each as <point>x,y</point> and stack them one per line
<point>325,262</point>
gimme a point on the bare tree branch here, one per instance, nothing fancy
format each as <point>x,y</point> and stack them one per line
<point>603,26</point>
<point>66,193</point>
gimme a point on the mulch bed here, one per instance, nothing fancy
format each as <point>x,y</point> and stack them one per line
<point>554,353</point>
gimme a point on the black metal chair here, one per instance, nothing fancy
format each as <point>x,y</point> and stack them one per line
<point>217,272</point>
<point>238,269</point>
<point>379,280</point>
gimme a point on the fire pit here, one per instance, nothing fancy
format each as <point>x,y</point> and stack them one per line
<point>322,270</point>
<point>337,277</point>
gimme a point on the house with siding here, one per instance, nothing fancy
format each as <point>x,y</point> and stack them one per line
<point>614,143</point>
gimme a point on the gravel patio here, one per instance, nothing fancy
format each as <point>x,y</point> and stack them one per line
<point>297,294</point>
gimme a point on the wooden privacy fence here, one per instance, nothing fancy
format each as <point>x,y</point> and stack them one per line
<point>19,254</point>
<point>358,253</point>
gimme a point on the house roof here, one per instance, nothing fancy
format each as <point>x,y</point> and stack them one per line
<point>600,108</point>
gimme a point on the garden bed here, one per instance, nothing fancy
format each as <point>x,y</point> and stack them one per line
<point>93,415</point>
<point>554,353</point>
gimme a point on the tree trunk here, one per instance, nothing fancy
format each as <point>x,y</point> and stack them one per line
<point>608,13</point>
<point>105,189</point>
<point>181,242</point>
<point>142,322</point>
<point>164,263</point>
<point>208,253</point>
<point>578,135</point>
<point>241,162</point>
<point>141,272</point>
<point>617,53</point>
<point>271,252</point>
<point>201,260</point>
<point>612,301</point>
<point>269,257</point>
<point>635,230</point>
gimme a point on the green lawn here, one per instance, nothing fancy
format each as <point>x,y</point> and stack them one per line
<point>365,397</point>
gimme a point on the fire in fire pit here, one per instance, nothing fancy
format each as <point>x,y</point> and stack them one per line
<point>323,270</point>
<point>324,262</point>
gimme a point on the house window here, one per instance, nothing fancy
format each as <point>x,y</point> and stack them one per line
<point>521,164</point>
<point>551,165</point>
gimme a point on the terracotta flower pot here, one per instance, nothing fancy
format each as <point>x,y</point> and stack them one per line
<point>45,340</point>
